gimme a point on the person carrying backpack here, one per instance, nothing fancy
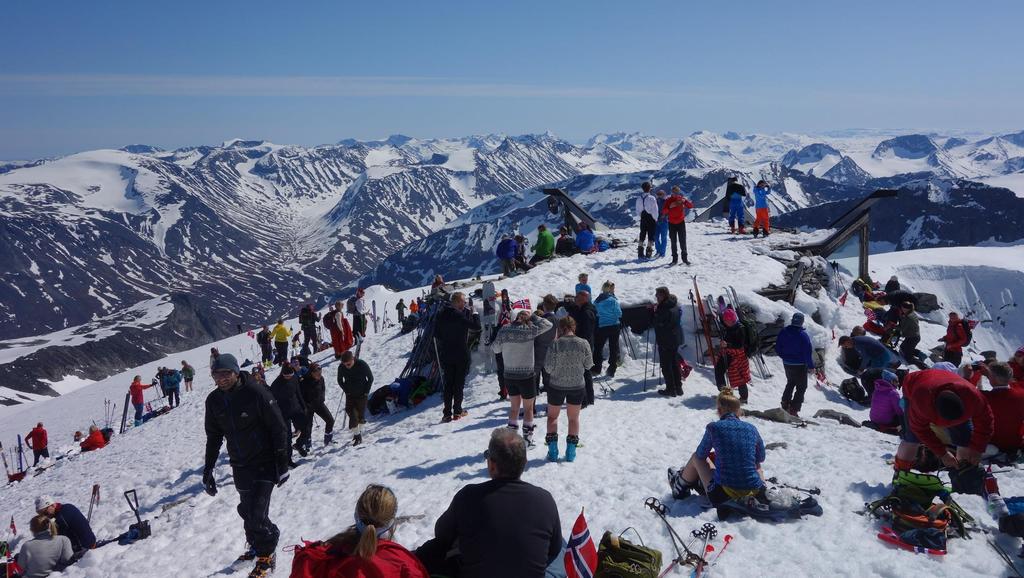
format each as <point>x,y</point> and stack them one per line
<point>761,192</point>
<point>341,332</point>
<point>171,382</point>
<point>793,346</point>
<point>734,193</point>
<point>609,315</point>
<point>567,361</point>
<point>956,338</point>
<point>264,340</point>
<point>735,347</point>
<point>366,549</point>
<point>280,334</point>
<point>308,319</point>
<point>647,211</point>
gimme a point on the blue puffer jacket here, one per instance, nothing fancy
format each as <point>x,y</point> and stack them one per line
<point>506,249</point>
<point>585,240</point>
<point>794,347</point>
<point>171,381</point>
<point>761,197</point>
<point>608,311</point>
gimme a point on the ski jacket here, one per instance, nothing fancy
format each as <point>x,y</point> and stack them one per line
<point>36,439</point>
<point>313,389</point>
<point>647,203</point>
<point>920,389</point>
<point>543,342</point>
<point>171,381</point>
<point>71,523</point>
<point>667,332</point>
<point>451,332</point>
<point>308,319</point>
<point>583,287</point>
<point>567,362</point>
<point>675,208</point>
<point>400,306</point>
<point>503,529</point>
<point>324,560</point>
<point>545,246</point>
<point>586,319</point>
<point>735,193</point>
<point>872,352</point>
<point>794,347</point>
<point>885,404</point>
<point>1007,404</point>
<point>288,395</point>
<point>565,246</point>
<point>735,337</point>
<point>361,306</point>
<point>761,197</point>
<point>892,286</point>
<point>135,389</point>
<point>739,450</point>
<point>585,241</point>
<point>910,326</point>
<point>44,554</point>
<point>515,344</point>
<point>263,337</point>
<point>248,417</point>
<point>357,381</point>
<point>95,441</point>
<point>609,312</point>
<point>506,249</point>
<point>956,337</point>
<point>280,333</point>
<point>188,372</point>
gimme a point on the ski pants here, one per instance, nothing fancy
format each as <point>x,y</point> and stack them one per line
<point>661,237</point>
<point>265,351</point>
<point>255,485</point>
<point>669,361</point>
<point>355,409</point>
<point>138,411</point>
<point>648,227</point>
<point>309,334</point>
<point>796,386</point>
<point>282,352</point>
<point>499,367</point>
<point>677,234</point>
<point>736,214</point>
<point>317,408</point>
<point>173,397</point>
<point>401,316</point>
<point>761,219</point>
<point>609,335</point>
<point>908,349</point>
<point>454,385</point>
<point>36,454</point>
<point>508,267</point>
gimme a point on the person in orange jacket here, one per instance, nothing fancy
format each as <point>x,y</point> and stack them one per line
<point>955,340</point>
<point>137,398</point>
<point>37,442</point>
<point>95,440</point>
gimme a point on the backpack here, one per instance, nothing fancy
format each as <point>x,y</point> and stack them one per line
<point>313,560</point>
<point>852,390</point>
<point>618,558</point>
<point>752,341</point>
<point>912,504</point>
<point>968,330</point>
<point>350,306</point>
<point>329,321</point>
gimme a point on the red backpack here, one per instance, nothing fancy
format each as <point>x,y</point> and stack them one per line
<point>312,560</point>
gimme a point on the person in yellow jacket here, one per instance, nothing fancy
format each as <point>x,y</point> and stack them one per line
<point>280,333</point>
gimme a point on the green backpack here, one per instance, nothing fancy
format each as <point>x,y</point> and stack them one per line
<point>620,558</point>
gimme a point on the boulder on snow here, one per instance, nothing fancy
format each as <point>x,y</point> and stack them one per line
<point>777,414</point>
<point>926,302</point>
<point>838,416</point>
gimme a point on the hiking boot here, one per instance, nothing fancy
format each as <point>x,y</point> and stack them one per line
<point>686,261</point>
<point>552,441</point>
<point>650,251</point>
<point>301,448</point>
<point>666,392</point>
<point>328,438</point>
<point>794,411</point>
<point>675,261</point>
<point>755,232</point>
<point>743,230</point>
<point>784,405</point>
<point>446,418</point>
<point>570,448</point>
<point>248,555</point>
<point>357,439</point>
<point>264,567</point>
<point>292,465</point>
<point>678,392</point>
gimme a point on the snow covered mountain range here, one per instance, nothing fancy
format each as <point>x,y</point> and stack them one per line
<point>248,230</point>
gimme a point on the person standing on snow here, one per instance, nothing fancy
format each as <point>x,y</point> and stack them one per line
<point>359,317</point>
<point>735,344</point>
<point>400,308</point>
<point>761,216</point>
<point>506,253</point>
<point>515,343</point>
<point>188,373</point>
<point>280,333</point>
<point>285,389</point>
<point>308,319</point>
<point>675,213</point>
<point>609,316</point>
<point>734,193</point>
<point>545,246</point>
<point>451,332</point>
<point>661,233</point>
<point>171,382</point>
<point>356,380</point>
<point>910,330</point>
<point>794,348</point>
<point>583,311</point>
<point>568,359</point>
<point>137,398</point>
<point>37,441</point>
<point>341,332</point>
<point>583,285</point>
<point>543,342</point>
<point>669,336</point>
<point>246,414</point>
<point>955,340</point>
<point>314,393</point>
<point>263,338</point>
<point>647,211</point>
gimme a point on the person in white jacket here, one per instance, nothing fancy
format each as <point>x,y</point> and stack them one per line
<point>647,210</point>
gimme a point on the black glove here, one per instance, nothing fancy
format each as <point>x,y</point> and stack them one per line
<point>209,483</point>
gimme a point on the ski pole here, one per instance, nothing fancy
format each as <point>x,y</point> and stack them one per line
<point>647,351</point>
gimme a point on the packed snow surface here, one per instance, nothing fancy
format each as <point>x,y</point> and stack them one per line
<point>630,437</point>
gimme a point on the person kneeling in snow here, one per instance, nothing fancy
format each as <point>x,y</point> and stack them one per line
<point>95,441</point>
<point>70,522</point>
<point>727,463</point>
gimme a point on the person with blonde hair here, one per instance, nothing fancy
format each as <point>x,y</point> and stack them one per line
<point>46,552</point>
<point>366,548</point>
<point>566,363</point>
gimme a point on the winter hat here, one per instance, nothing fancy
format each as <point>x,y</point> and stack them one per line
<point>43,502</point>
<point>287,369</point>
<point>890,377</point>
<point>946,366</point>
<point>730,316</point>
<point>518,310</point>
<point>225,361</point>
<point>949,405</point>
<point>798,319</point>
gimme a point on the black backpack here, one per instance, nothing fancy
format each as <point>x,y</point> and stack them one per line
<point>752,341</point>
<point>350,306</point>
<point>852,390</point>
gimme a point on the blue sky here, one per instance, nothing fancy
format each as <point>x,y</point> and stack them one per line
<point>80,75</point>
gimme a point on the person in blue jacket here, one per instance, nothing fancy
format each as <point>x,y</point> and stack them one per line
<point>584,284</point>
<point>761,192</point>
<point>70,522</point>
<point>794,348</point>
<point>873,355</point>
<point>585,240</point>
<point>506,253</point>
<point>171,382</point>
<point>734,193</point>
<point>609,315</point>
<point>661,232</point>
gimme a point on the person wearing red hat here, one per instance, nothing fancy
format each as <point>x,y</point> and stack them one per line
<point>735,348</point>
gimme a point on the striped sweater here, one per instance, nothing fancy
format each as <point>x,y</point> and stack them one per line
<point>567,362</point>
<point>515,344</point>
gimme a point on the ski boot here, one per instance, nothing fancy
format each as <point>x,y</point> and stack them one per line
<point>357,439</point>
<point>138,422</point>
<point>264,566</point>
<point>570,448</point>
<point>552,440</point>
<point>650,251</point>
<point>513,426</point>
<point>460,414</point>
<point>743,230</point>
<point>248,555</point>
<point>756,232</point>
<point>328,438</point>
<point>446,418</point>
<point>765,233</point>
<point>528,434</point>
<point>301,448</point>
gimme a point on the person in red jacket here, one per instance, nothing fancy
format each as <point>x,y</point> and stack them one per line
<point>955,340</point>
<point>675,209</point>
<point>339,328</point>
<point>365,549</point>
<point>1007,405</point>
<point>37,442</point>
<point>138,399</point>
<point>940,398</point>
<point>1017,365</point>
<point>95,440</point>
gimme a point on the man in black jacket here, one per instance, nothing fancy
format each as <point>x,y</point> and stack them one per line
<point>246,414</point>
<point>503,528</point>
<point>585,315</point>
<point>308,319</point>
<point>263,338</point>
<point>355,379</point>
<point>313,390</point>
<point>285,389</point>
<point>452,329</point>
<point>669,336</point>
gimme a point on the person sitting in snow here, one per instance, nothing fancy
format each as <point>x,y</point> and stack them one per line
<point>794,348</point>
<point>545,247</point>
<point>506,253</point>
<point>521,245</point>
<point>565,245</point>
<point>886,412</point>
<point>1007,404</point>
<point>910,331</point>
<point>727,463</point>
<point>515,343</point>
<point>761,217</point>
<point>94,441</point>
<point>585,240</point>
<point>892,285</point>
<point>70,522</point>
<point>366,548</point>
<point>46,552</point>
<point>566,363</point>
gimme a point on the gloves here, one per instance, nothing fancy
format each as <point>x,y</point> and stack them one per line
<point>209,483</point>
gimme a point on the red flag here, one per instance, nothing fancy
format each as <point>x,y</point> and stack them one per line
<point>842,298</point>
<point>14,529</point>
<point>521,304</point>
<point>580,553</point>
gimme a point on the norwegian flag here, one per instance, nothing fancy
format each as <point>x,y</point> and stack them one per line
<point>869,313</point>
<point>580,554</point>
<point>522,304</point>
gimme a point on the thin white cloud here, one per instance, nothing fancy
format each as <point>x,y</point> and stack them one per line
<point>288,86</point>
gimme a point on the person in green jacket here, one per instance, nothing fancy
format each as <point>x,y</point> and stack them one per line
<point>545,246</point>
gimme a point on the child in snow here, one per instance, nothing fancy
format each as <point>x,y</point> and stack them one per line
<point>761,192</point>
<point>736,351</point>
<point>567,361</point>
<point>584,284</point>
<point>886,413</point>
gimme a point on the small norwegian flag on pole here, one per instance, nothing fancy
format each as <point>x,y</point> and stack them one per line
<point>521,304</point>
<point>580,553</point>
<point>842,299</point>
<point>14,529</point>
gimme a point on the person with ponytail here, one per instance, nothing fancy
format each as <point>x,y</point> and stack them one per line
<point>727,463</point>
<point>46,552</point>
<point>365,549</point>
